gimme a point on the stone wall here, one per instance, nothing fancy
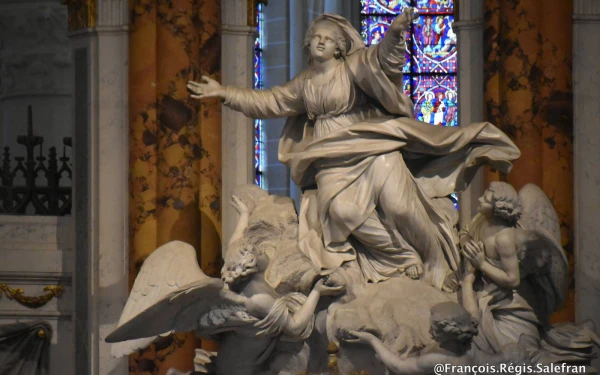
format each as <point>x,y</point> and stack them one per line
<point>35,252</point>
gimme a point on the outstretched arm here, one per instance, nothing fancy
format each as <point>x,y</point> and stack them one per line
<point>279,101</point>
<point>392,48</point>
<point>298,322</point>
<point>424,364</point>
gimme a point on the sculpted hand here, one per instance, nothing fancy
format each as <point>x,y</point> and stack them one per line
<point>451,282</point>
<point>239,206</point>
<point>403,21</point>
<point>325,290</point>
<point>473,251</point>
<point>360,337</point>
<point>206,88</point>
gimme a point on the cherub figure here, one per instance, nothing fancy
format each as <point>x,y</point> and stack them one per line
<point>242,310</point>
<point>452,329</point>
<point>514,243</point>
<point>496,229</point>
<point>244,273</point>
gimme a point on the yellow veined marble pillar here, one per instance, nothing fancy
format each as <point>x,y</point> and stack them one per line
<point>528,95</point>
<point>175,147</point>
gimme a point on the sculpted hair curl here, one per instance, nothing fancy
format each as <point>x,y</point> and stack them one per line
<point>241,264</point>
<point>450,321</point>
<point>506,201</point>
<point>454,330</point>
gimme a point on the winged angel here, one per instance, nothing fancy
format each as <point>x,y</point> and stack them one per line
<point>172,294</point>
<point>514,243</point>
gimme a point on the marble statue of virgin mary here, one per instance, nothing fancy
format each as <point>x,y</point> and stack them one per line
<point>372,176</point>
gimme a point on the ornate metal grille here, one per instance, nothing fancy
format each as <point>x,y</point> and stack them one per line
<point>31,197</point>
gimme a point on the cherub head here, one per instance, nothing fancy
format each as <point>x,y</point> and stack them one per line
<point>451,322</point>
<point>324,41</point>
<point>241,262</point>
<point>501,200</point>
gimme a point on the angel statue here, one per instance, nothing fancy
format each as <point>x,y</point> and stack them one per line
<point>514,244</point>
<point>243,310</point>
<point>370,173</point>
<point>453,330</point>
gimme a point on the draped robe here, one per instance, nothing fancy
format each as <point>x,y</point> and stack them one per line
<point>370,173</point>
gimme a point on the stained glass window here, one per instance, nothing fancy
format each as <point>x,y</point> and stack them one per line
<point>258,84</point>
<point>430,71</point>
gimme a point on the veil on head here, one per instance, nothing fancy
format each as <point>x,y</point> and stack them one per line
<point>354,42</point>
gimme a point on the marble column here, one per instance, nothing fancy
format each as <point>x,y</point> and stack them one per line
<point>35,69</point>
<point>175,148</point>
<point>586,96</point>
<point>528,94</point>
<point>100,50</point>
<point>469,31</point>
<point>237,56</point>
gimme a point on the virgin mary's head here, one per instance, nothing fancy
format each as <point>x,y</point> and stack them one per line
<point>324,41</point>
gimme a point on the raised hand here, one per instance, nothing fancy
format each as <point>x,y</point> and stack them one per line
<point>206,88</point>
<point>239,206</point>
<point>403,21</point>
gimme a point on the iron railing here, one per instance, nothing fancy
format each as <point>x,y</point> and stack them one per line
<point>21,191</point>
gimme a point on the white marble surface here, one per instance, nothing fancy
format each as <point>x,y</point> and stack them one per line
<point>111,258</point>
<point>237,131</point>
<point>586,95</point>
<point>102,288</point>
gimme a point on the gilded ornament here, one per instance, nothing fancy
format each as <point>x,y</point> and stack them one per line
<point>17,294</point>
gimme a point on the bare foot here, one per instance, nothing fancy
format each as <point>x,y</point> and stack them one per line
<point>414,272</point>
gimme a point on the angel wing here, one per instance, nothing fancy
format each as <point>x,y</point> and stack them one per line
<point>205,305</point>
<point>542,255</point>
<point>544,265</point>
<point>537,212</point>
<point>167,269</point>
